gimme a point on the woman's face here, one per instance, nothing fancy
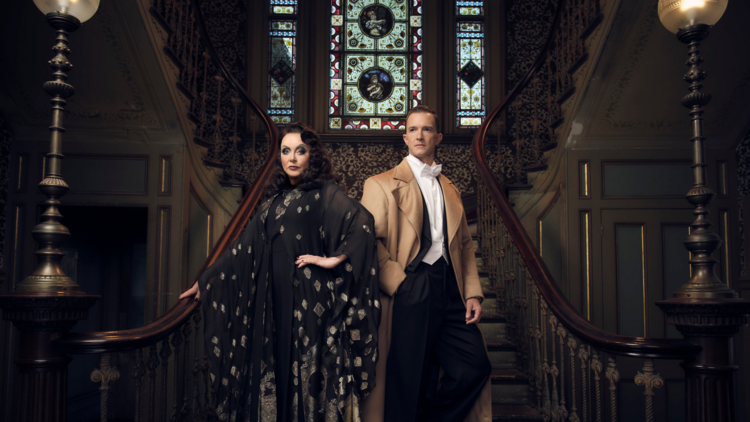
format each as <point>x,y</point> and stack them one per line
<point>295,157</point>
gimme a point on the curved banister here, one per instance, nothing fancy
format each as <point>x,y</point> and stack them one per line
<point>124,340</point>
<point>548,288</point>
<point>110,341</point>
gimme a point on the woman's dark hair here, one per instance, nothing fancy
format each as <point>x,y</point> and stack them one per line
<point>315,175</point>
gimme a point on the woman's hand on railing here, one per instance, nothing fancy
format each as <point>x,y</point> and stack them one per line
<point>193,291</point>
<point>320,261</point>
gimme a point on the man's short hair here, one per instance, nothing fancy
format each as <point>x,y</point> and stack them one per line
<point>424,109</point>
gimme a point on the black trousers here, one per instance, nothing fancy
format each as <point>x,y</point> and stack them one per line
<point>430,332</point>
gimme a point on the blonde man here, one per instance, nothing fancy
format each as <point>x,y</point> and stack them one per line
<point>430,291</point>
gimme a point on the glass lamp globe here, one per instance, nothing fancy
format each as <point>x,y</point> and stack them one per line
<point>83,10</point>
<point>676,14</point>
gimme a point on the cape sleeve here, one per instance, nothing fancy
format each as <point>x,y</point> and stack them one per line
<point>348,230</point>
<point>227,290</point>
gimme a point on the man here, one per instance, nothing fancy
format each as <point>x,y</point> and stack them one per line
<point>431,294</point>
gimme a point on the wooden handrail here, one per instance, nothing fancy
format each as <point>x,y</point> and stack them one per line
<point>111,341</point>
<point>548,288</point>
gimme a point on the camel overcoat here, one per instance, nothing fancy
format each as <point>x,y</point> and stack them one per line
<point>395,200</point>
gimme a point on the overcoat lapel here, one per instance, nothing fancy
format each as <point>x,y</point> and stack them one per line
<point>453,207</point>
<point>408,196</point>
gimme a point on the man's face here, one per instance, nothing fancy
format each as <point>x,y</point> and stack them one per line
<point>421,136</point>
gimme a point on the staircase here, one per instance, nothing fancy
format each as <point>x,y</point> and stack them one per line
<point>510,387</point>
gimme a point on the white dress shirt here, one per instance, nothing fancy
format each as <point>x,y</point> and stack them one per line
<point>433,196</point>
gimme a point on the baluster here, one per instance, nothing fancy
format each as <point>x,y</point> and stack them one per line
<point>164,353</point>
<point>649,380</point>
<point>139,370</point>
<point>545,366</point>
<point>554,372</point>
<point>536,146</point>
<point>596,365</point>
<point>573,346</point>
<point>537,336</point>
<point>551,115</point>
<point>613,375</point>
<point>151,365</point>
<point>562,333</point>
<point>213,157</point>
<point>186,331</point>
<point>512,294</point>
<point>197,414</point>
<point>518,144</point>
<point>521,311</point>
<point>179,28</point>
<point>253,152</point>
<point>583,355</point>
<point>187,32</point>
<point>103,375</point>
<point>186,76</point>
<point>235,173</point>
<point>207,385</point>
<point>570,42</point>
<point>202,114</point>
<point>580,42</point>
<point>176,343</point>
<point>560,68</point>
<point>526,313</point>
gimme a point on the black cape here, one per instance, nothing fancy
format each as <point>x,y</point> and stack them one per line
<point>336,312</point>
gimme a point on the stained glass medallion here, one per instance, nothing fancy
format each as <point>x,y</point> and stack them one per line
<point>376,63</point>
<point>470,74</point>
<point>281,72</point>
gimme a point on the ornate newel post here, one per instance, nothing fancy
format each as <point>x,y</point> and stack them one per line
<point>47,302</point>
<point>706,311</point>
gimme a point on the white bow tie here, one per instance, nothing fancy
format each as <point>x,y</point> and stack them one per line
<point>428,171</point>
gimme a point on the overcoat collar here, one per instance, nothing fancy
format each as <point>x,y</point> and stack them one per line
<point>409,199</point>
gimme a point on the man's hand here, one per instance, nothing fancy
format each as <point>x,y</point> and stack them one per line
<point>472,305</point>
<point>320,261</point>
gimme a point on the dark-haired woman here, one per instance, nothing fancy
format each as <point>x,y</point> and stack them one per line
<point>292,308</point>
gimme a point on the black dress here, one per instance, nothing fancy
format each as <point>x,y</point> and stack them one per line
<point>289,344</point>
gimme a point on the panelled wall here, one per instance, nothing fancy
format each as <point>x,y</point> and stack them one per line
<point>128,224</point>
<point>612,237</point>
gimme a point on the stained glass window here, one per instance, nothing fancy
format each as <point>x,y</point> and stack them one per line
<point>376,63</point>
<point>282,61</point>
<point>470,64</point>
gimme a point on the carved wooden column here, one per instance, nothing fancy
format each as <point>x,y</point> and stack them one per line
<point>705,310</point>
<point>48,303</point>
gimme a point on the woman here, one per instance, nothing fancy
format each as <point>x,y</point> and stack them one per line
<point>292,308</point>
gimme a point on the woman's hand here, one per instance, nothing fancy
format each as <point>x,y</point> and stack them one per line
<point>320,261</point>
<point>193,291</point>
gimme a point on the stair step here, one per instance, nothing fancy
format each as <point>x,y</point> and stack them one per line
<point>484,279</point>
<point>514,412</point>
<point>494,328</point>
<point>476,243</point>
<point>490,305</point>
<point>502,354</point>
<point>480,263</point>
<point>509,387</point>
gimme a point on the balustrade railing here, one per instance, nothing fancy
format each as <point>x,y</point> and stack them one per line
<point>570,363</point>
<point>528,126</point>
<point>217,113</point>
<point>575,369</point>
